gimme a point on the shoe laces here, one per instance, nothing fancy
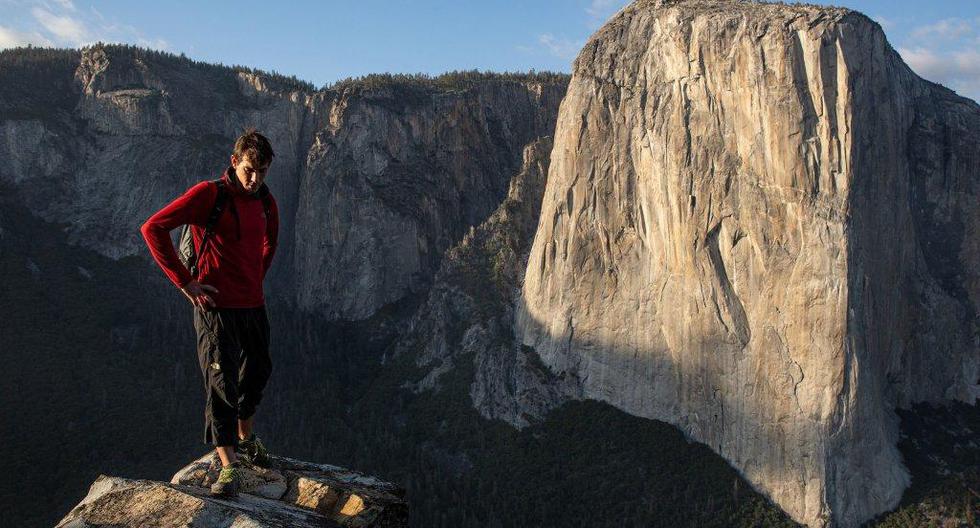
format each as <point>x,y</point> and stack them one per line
<point>227,474</point>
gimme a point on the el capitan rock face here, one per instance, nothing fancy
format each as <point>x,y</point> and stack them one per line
<point>760,225</point>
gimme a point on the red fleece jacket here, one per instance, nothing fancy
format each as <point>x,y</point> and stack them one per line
<point>240,249</point>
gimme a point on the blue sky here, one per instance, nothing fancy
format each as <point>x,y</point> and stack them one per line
<point>322,41</point>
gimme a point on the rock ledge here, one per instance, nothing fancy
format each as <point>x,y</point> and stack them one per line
<point>289,493</point>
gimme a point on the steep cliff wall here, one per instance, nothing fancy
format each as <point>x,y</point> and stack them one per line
<point>394,178</point>
<point>760,225</point>
<point>374,183</point>
<point>468,313</point>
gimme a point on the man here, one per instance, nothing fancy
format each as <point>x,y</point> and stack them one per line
<point>229,305</point>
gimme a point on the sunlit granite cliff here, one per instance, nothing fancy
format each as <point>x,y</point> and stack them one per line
<point>760,225</point>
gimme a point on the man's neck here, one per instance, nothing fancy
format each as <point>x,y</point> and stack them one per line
<point>233,182</point>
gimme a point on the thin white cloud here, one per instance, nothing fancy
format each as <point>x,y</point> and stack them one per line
<point>11,38</point>
<point>886,23</point>
<point>600,10</point>
<point>946,51</point>
<point>67,4</point>
<point>65,29</point>
<point>959,70</point>
<point>560,47</point>
<point>100,16</point>
<point>599,7</point>
<point>597,11</point>
<point>159,43</point>
<point>61,23</point>
<point>947,29</point>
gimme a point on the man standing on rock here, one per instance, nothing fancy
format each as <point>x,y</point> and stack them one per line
<point>225,287</point>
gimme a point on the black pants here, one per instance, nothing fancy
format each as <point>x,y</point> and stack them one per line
<point>233,352</point>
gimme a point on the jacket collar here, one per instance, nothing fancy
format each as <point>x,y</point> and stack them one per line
<point>231,183</point>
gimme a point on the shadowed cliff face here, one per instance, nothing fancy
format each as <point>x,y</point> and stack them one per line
<point>399,176</point>
<point>749,231</point>
<point>364,177</point>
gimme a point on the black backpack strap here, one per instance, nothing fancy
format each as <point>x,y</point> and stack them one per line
<point>266,199</point>
<point>216,210</point>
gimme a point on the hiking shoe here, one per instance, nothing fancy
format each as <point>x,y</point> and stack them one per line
<point>228,482</point>
<point>253,452</point>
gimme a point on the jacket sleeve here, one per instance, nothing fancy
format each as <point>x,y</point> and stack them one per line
<point>190,208</point>
<point>271,239</point>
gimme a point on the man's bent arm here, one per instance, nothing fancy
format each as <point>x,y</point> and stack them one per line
<point>190,208</point>
<point>271,239</point>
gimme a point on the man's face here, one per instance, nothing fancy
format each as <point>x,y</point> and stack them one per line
<point>249,176</point>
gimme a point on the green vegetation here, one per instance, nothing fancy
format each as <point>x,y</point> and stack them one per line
<point>288,82</point>
<point>453,80</point>
<point>587,464</point>
<point>37,83</point>
<point>939,446</point>
<point>30,55</point>
<point>93,379</point>
<point>36,66</point>
<point>486,265</point>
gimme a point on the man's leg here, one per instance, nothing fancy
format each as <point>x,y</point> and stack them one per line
<point>256,366</point>
<point>219,361</point>
<point>226,454</point>
<point>245,427</point>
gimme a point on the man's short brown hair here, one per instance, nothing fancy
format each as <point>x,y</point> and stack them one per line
<point>253,146</point>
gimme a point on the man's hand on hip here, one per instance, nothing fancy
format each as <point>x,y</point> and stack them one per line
<point>197,293</point>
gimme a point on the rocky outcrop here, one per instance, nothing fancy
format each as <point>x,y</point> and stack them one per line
<point>760,225</point>
<point>374,180</point>
<point>290,493</point>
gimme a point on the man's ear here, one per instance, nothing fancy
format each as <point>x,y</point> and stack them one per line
<point>234,162</point>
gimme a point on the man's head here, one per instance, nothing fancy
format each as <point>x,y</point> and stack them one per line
<point>251,159</point>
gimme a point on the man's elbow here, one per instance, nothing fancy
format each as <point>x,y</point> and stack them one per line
<point>148,230</point>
